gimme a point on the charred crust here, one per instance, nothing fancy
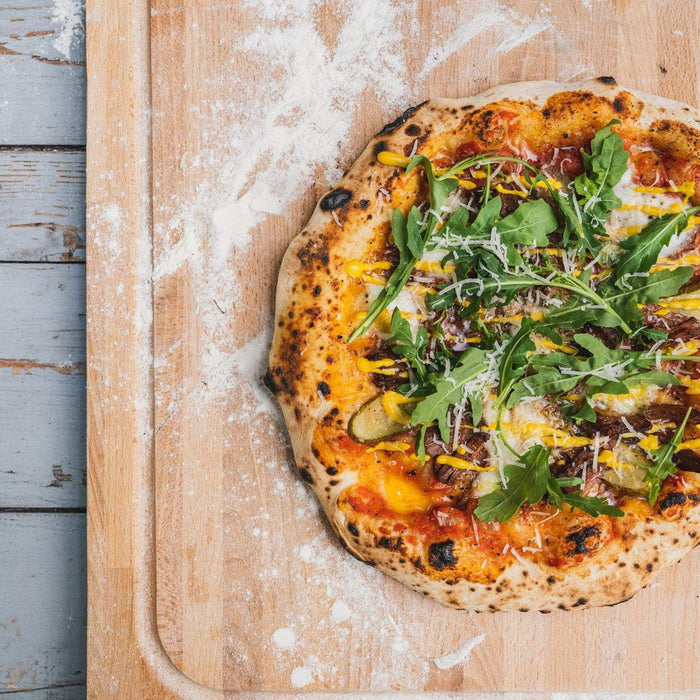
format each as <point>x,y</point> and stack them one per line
<point>352,529</point>
<point>618,104</point>
<point>317,290</point>
<point>379,147</point>
<point>579,603</point>
<point>418,563</point>
<point>269,382</point>
<point>393,544</point>
<point>324,388</point>
<point>394,125</point>
<point>441,555</point>
<point>306,475</point>
<point>331,471</point>
<point>676,498</point>
<point>606,80</point>
<point>413,130</point>
<point>551,580</point>
<point>364,203</point>
<point>336,199</point>
<point>584,541</point>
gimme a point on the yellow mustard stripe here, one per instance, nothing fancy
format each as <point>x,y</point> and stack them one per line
<point>458,463</point>
<point>390,446</point>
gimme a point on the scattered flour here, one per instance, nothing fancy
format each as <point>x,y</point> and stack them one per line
<point>460,654</point>
<point>340,612</point>
<point>284,638</point>
<point>70,16</point>
<point>280,119</point>
<point>301,676</point>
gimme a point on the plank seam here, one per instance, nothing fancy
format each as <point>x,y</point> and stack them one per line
<point>78,148</point>
<point>40,510</point>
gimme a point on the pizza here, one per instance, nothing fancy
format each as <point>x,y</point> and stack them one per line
<point>487,343</point>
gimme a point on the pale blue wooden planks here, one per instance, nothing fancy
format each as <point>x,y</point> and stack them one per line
<point>42,205</point>
<point>42,72</point>
<point>42,382</point>
<point>43,317</point>
<point>42,600</point>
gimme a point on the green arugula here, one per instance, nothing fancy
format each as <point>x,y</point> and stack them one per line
<point>643,248</point>
<point>526,480</point>
<point>404,345</point>
<point>448,389</point>
<point>593,505</point>
<point>605,165</point>
<point>410,236</point>
<point>606,371</point>
<point>663,465</point>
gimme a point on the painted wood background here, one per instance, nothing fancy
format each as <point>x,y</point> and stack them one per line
<point>42,349</point>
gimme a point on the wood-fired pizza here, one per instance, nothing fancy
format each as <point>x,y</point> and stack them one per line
<point>486,346</point>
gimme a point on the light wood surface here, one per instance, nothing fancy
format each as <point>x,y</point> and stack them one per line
<point>202,541</point>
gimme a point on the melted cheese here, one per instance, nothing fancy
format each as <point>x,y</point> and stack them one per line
<point>403,495</point>
<point>626,404</point>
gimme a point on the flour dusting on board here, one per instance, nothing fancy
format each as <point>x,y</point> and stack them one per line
<point>70,16</point>
<point>280,118</point>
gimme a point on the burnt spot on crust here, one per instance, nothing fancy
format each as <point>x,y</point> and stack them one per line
<point>335,199</point>
<point>618,104</point>
<point>352,529</point>
<point>579,603</point>
<point>584,541</point>
<point>393,544</point>
<point>441,555</point>
<point>676,498</point>
<point>364,203</point>
<point>607,80</point>
<point>413,130</point>
<point>324,388</point>
<point>551,580</point>
<point>331,471</point>
<point>269,382</point>
<point>306,475</point>
<point>379,147</point>
<point>317,290</point>
<point>393,126</point>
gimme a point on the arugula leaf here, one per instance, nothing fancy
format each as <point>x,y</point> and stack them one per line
<point>526,480</point>
<point>663,464</point>
<point>605,166</point>
<point>403,344</point>
<point>593,505</point>
<point>580,411</point>
<point>529,225</point>
<point>617,307</point>
<point>605,371</point>
<point>643,248</point>
<point>410,237</point>
<point>439,189</point>
<point>447,391</point>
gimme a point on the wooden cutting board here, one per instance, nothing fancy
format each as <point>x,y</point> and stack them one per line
<point>213,128</point>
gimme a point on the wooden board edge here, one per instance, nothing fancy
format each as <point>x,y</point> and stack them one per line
<point>125,656</point>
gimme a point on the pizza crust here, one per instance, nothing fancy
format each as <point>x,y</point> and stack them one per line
<point>312,373</point>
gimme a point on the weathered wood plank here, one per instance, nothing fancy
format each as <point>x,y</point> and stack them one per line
<point>42,81</point>
<point>42,601</point>
<point>42,205</point>
<point>42,439</point>
<point>43,321</point>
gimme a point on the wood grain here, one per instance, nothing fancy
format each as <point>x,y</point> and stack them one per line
<point>42,632</point>
<point>207,494</point>
<point>42,414</point>
<point>44,316</point>
<point>42,206</point>
<point>45,87</point>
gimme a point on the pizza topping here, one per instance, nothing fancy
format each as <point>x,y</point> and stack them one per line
<point>540,296</point>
